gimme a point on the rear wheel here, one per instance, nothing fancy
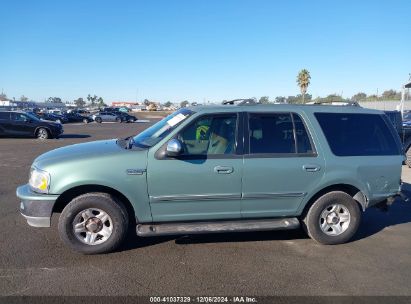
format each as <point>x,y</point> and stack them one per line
<point>85,120</point>
<point>334,218</point>
<point>42,133</point>
<point>98,120</point>
<point>118,119</point>
<point>93,223</point>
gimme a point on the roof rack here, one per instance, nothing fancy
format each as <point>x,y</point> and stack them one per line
<point>241,102</point>
<point>335,103</point>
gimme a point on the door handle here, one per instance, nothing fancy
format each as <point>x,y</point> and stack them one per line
<point>311,168</point>
<point>223,170</point>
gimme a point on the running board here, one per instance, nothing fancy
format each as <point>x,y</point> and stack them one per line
<point>216,227</point>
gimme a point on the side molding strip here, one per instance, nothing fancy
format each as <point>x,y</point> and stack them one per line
<point>273,195</point>
<point>211,197</point>
<point>199,197</point>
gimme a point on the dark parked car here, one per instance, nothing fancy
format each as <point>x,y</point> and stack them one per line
<point>406,119</point>
<point>53,117</point>
<point>75,117</point>
<point>126,117</point>
<point>18,124</point>
<point>404,131</point>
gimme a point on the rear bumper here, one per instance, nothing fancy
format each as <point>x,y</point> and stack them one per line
<point>398,197</point>
<point>36,208</point>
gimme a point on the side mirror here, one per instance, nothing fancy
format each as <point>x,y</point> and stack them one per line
<point>174,148</point>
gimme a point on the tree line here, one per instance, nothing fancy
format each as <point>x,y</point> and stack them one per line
<point>361,96</point>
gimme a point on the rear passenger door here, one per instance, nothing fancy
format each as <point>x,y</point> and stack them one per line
<point>281,164</point>
<point>110,117</point>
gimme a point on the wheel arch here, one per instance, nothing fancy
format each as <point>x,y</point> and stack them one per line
<point>351,190</point>
<point>68,195</point>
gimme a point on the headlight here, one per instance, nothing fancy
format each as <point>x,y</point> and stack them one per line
<point>39,181</point>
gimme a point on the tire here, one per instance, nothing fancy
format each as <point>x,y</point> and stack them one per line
<point>85,120</point>
<point>98,120</point>
<point>322,214</point>
<point>42,133</point>
<point>100,204</point>
<point>118,119</point>
<point>408,157</point>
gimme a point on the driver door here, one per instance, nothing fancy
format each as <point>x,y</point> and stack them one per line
<point>204,182</point>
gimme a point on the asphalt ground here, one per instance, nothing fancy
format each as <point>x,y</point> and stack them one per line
<point>33,261</point>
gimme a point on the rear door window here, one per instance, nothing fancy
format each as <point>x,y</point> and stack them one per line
<point>278,133</point>
<point>18,117</point>
<point>358,134</point>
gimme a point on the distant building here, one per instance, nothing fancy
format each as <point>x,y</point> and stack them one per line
<point>18,104</point>
<point>128,104</point>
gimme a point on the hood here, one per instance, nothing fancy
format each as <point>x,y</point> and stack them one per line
<point>94,149</point>
<point>50,122</point>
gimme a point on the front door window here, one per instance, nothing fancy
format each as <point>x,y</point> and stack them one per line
<point>210,135</point>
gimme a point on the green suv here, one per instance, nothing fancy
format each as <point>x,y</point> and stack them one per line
<point>220,169</point>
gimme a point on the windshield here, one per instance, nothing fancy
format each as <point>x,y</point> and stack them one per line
<point>158,131</point>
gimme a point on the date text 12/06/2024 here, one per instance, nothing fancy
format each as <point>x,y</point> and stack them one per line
<point>234,299</point>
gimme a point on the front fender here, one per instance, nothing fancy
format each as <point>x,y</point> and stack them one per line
<point>125,173</point>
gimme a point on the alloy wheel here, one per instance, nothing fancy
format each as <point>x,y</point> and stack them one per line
<point>92,226</point>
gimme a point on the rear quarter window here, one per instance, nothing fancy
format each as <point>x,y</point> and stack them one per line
<point>358,134</point>
<point>4,116</point>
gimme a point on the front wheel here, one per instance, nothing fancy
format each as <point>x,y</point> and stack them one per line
<point>334,218</point>
<point>98,120</point>
<point>118,119</point>
<point>85,120</point>
<point>93,223</point>
<point>42,133</point>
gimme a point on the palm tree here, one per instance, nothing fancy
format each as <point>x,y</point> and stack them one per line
<point>303,81</point>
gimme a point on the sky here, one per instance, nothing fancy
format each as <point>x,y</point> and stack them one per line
<point>199,50</point>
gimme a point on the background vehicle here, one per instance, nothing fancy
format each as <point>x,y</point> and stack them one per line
<point>125,117</point>
<point>20,124</point>
<point>75,117</point>
<point>53,117</point>
<point>106,117</point>
<point>403,129</point>
<point>110,109</point>
<point>124,110</point>
<point>406,119</point>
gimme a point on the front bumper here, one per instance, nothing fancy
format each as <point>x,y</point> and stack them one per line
<point>35,207</point>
